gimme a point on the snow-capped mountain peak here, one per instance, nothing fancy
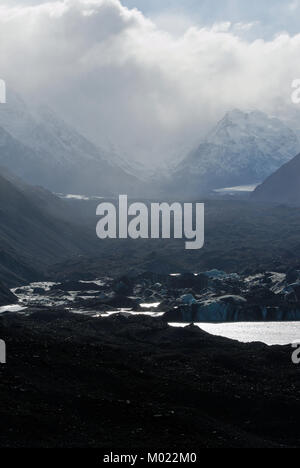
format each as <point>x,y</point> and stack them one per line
<point>243,148</point>
<point>56,155</point>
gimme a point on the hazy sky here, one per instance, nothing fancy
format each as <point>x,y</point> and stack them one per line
<point>272,15</point>
<point>152,80</point>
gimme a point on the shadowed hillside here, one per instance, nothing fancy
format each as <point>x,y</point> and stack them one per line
<point>283,186</point>
<point>33,232</point>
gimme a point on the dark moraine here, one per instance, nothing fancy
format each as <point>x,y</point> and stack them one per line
<point>75,381</point>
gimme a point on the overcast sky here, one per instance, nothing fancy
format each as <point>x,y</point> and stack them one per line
<point>153,77</point>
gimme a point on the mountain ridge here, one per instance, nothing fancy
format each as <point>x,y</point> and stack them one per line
<point>243,148</point>
<point>36,231</point>
<point>42,149</point>
<point>281,187</point>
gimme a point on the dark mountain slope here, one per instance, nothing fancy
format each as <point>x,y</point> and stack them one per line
<point>33,233</point>
<point>6,297</point>
<point>283,186</point>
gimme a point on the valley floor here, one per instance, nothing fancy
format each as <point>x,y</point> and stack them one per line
<point>123,382</point>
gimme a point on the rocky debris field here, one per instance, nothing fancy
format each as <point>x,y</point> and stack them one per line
<point>123,382</point>
<point>212,296</point>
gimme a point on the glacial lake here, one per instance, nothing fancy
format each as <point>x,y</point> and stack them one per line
<point>270,333</point>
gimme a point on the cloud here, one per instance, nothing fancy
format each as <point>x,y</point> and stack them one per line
<point>294,5</point>
<point>120,77</point>
<point>245,26</point>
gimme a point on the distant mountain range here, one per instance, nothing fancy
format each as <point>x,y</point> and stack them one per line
<point>243,148</point>
<point>283,186</point>
<point>42,149</point>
